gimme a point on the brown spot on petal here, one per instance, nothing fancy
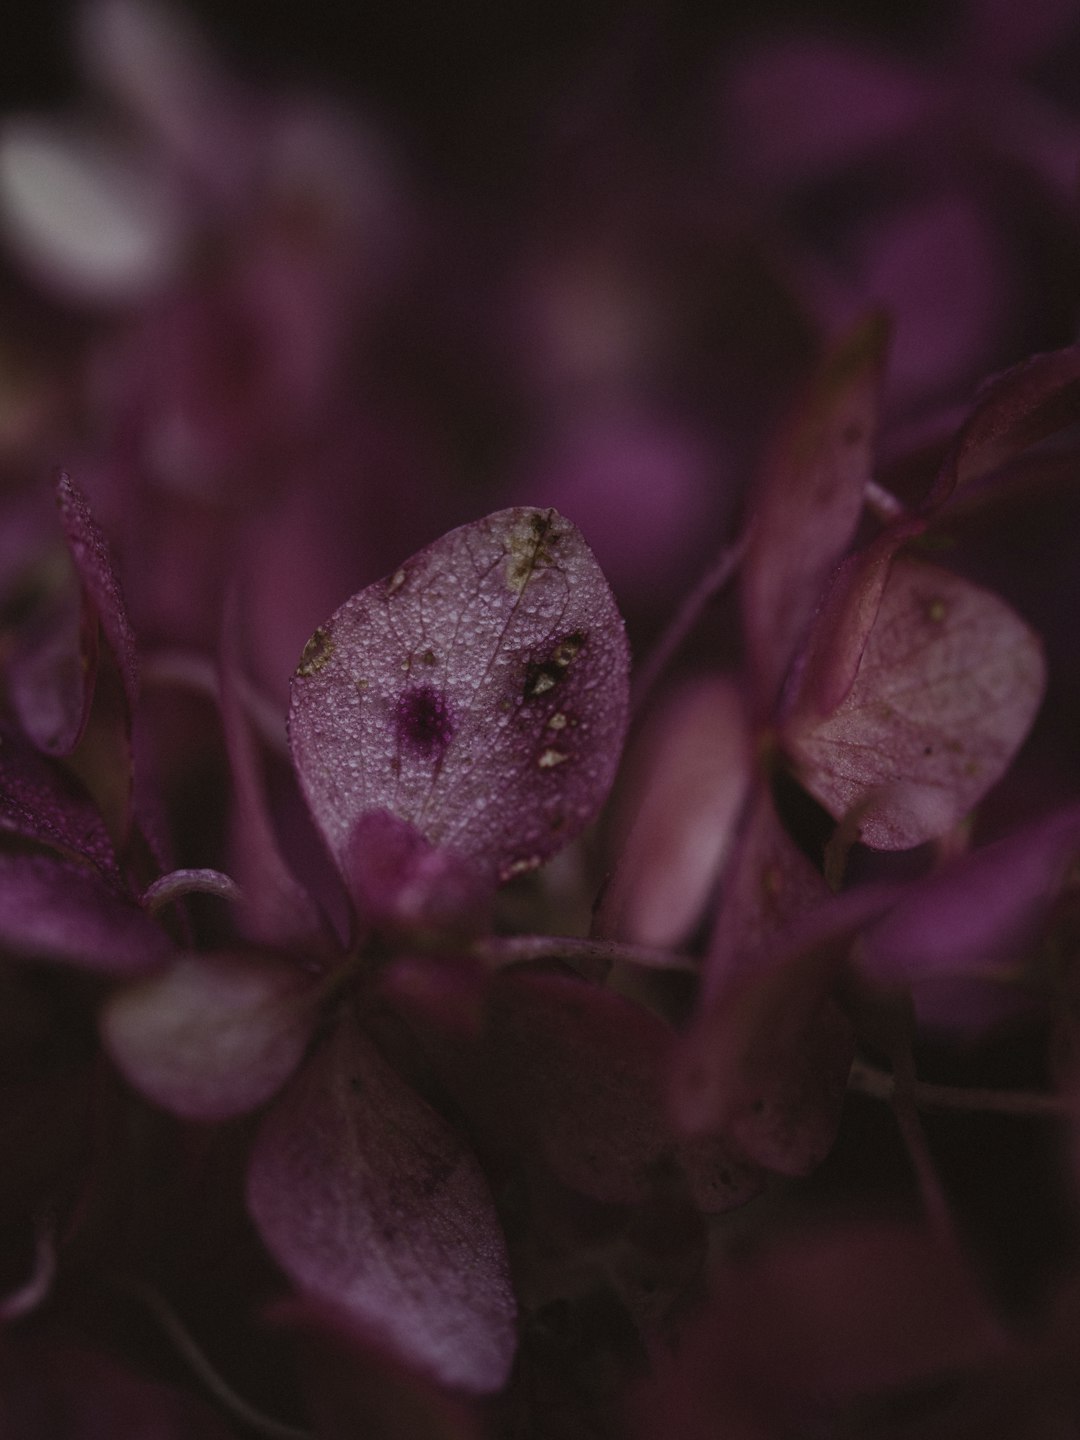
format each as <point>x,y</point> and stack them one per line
<point>316,653</point>
<point>531,542</point>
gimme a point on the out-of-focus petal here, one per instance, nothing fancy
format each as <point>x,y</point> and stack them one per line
<point>214,1035</point>
<point>370,1201</point>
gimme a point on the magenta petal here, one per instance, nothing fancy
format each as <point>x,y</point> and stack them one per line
<point>687,784</point>
<point>94,566</point>
<point>42,802</point>
<point>275,906</point>
<point>767,1057</point>
<point>947,687</point>
<point>401,882</point>
<point>958,937</point>
<point>369,1200</point>
<point>50,675</point>
<point>1031,401</point>
<point>480,693</point>
<point>53,909</point>
<point>810,501</point>
<point>213,1035</point>
<point>581,1072</point>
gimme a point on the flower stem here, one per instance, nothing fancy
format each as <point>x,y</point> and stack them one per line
<point>867,1079</point>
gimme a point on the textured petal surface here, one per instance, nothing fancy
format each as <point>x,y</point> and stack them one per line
<point>40,801</point>
<point>368,1199</point>
<point>480,693</point>
<point>947,687</point>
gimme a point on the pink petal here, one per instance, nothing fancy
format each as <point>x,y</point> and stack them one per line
<point>581,1072</point>
<point>368,1200</point>
<point>965,938</point>
<point>212,1036</point>
<point>679,813</point>
<point>479,693</point>
<point>766,1060</point>
<point>946,689</point>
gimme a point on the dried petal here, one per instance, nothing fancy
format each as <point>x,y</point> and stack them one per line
<point>368,1200</point>
<point>946,688</point>
<point>480,693</point>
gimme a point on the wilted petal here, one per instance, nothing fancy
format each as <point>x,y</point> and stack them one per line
<point>947,686</point>
<point>275,907</point>
<point>368,1200</point>
<point>480,693</point>
<point>53,909</point>
<point>212,1036</point>
<point>810,501</point>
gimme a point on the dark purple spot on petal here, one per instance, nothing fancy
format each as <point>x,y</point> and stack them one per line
<point>424,723</point>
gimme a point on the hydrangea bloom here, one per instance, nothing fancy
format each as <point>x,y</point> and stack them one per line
<point>478,1035</point>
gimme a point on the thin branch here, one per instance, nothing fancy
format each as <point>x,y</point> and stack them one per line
<point>192,670</point>
<point>686,617</point>
<point>867,1079</point>
<point>501,950</point>
<point>909,1122</point>
<point>213,1383</point>
<point>38,1284</point>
